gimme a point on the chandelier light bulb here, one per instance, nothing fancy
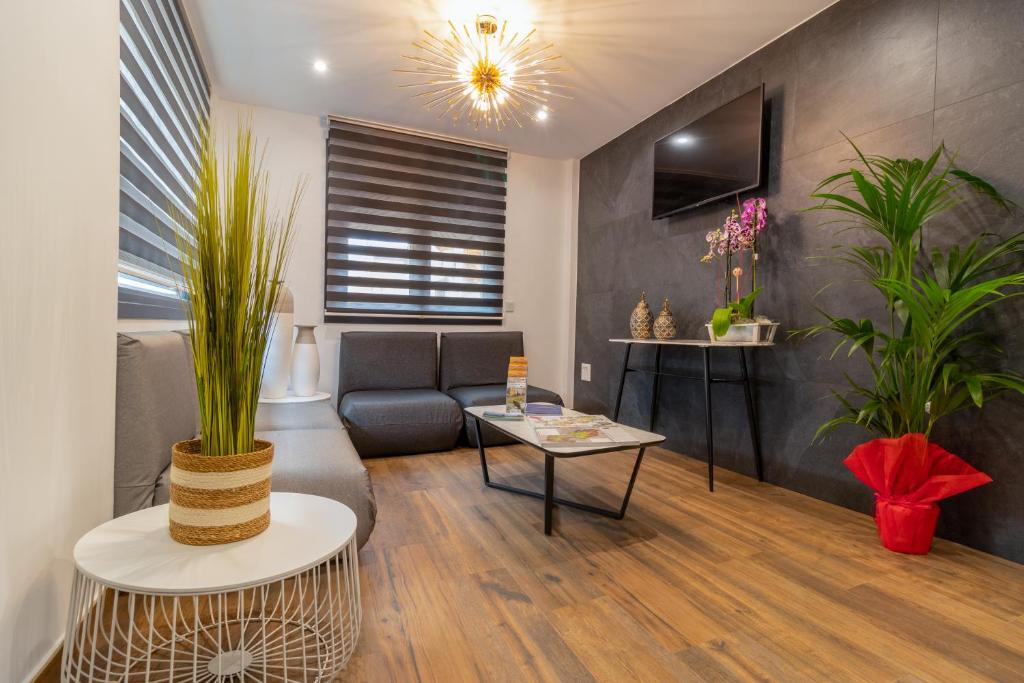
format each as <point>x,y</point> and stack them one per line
<point>483,75</point>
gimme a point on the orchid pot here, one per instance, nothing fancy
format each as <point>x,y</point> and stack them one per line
<point>756,331</point>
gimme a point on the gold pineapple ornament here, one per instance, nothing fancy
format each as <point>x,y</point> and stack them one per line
<point>665,325</point>
<point>641,319</point>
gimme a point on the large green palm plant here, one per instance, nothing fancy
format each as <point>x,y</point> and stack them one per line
<point>929,358</point>
<point>233,257</point>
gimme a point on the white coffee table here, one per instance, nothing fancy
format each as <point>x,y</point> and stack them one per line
<point>283,605</point>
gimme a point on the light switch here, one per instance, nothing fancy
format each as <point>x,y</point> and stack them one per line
<point>510,306</point>
<point>585,372</point>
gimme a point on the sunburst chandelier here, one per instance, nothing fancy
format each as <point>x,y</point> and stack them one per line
<point>485,76</point>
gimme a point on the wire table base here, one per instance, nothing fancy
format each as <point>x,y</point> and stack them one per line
<point>303,627</point>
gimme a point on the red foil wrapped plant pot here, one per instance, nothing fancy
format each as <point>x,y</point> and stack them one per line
<point>909,475</point>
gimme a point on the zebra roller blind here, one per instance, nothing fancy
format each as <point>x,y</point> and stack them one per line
<point>415,228</point>
<point>164,99</point>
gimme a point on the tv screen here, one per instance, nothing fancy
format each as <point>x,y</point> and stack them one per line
<point>716,156</point>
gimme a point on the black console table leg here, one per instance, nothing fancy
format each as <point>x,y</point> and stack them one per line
<point>622,382</point>
<point>549,491</point>
<point>654,389</point>
<point>708,430</point>
<point>755,435</point>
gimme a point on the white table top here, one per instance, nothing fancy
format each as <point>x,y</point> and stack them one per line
<point>136,552</point>
<point>521,429</point>
<point>703,343</point>
<point>292,398</point>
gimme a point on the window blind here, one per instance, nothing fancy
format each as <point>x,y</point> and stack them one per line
<point>415,228</point>
<point>164,99</point>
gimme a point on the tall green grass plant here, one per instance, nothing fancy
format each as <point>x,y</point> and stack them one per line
<point>234,253</point>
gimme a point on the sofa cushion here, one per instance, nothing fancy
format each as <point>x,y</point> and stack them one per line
<point>319,462</point>
<point>387,360</point>
<point>156,406</point>
<point>311,415</point>
<point>477,358</point>
<point>490,395</point>
<point>323,462</point>
<point>494,394</point>
<point>400,421</point>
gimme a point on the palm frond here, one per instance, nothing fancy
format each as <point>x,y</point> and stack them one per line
<point>929,363</point>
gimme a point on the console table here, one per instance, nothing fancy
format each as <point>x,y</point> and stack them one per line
<point>705,347</point>
<point>280,606</point>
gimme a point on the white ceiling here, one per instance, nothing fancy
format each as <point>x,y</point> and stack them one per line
<point>627,58</point>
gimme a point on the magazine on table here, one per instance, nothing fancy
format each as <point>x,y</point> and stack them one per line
<point>579,430</point>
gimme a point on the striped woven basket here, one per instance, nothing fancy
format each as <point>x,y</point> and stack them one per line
<point>219,499</point>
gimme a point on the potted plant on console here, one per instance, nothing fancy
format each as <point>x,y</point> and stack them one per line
<point>927,355</point>
<point>233,256</point>
<point>734,320</point>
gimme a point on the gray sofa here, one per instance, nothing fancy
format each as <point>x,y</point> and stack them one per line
<point>474,372</point>
<point>157,406</point>
<point>388,397</point>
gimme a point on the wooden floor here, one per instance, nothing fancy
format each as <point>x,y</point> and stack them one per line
<point>749,583</point>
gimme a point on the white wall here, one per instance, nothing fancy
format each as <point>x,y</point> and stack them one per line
<point>538,252</point>
<point>58,307</point>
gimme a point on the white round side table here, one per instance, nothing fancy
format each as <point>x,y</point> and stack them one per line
<point>292,398</point>
<point>281,606</point>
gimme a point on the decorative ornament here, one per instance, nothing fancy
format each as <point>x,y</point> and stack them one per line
<point>278,361</point>
<point>665,325</point>
<point>485,76</point>
<point>641,319</point>
<point>305,362</point>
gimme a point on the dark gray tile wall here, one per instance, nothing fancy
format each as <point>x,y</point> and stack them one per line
<point>898,77</point>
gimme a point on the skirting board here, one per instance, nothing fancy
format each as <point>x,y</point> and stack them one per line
<point>48,670</point>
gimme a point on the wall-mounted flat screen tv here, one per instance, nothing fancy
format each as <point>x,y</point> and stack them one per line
<point>716,156</point>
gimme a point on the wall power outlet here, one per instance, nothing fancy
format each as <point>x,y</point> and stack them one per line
<point>585,372</point>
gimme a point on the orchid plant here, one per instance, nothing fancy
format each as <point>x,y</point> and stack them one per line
<point>738,233</point>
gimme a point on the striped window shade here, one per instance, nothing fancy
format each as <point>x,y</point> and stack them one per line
<point>415,228</point>
<point>165,95</point>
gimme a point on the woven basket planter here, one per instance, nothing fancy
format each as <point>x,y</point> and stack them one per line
<point>219,499</point>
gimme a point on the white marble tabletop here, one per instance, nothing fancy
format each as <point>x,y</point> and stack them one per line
<point>703,343</point>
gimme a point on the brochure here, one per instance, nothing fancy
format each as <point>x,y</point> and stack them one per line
<point>579,430</point>
<point>515,390</point>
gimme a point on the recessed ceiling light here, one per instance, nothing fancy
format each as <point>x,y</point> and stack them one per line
<point>542,114</point>
<point>683,140</point>
<point>320,66</point>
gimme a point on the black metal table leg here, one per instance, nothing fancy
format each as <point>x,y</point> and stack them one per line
<point>755,435</point>
<point>708,430</point>
<point>622,381</point>
<point>551,500</point>
<point>654,390</point>
<point>480,448</point>
<point>549,491</point>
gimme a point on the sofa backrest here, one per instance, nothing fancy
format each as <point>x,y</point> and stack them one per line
<point>386,360</point>
<point>476,358</point>
<point>156,407</point>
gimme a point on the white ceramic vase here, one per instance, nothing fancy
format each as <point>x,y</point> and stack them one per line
<point>305,362</point>
<point>278,362</point>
